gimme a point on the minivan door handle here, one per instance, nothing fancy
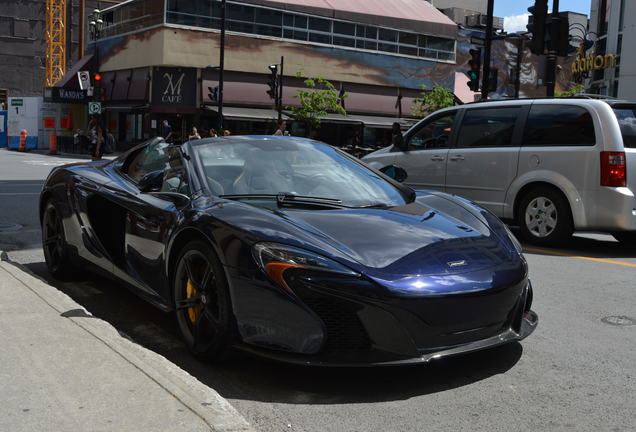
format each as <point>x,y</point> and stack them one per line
<point>437,158</point>
<point>456,158</point>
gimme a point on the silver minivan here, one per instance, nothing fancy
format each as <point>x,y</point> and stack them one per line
<point>552,166</point>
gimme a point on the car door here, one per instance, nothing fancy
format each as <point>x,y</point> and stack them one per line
<point>426,151</point>
<point>148,216</point>
<point>483,162</point>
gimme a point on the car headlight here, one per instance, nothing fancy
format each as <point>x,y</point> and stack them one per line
<point>274,259</point>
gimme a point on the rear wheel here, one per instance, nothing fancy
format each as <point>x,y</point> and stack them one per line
<point>202,302</point>
<point>544,217</point>
<point>56,253</point>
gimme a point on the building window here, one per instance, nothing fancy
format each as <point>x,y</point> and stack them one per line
<point>604,15</point>
<point>251,19</point>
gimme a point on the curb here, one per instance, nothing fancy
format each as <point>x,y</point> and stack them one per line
<point>200,399</point>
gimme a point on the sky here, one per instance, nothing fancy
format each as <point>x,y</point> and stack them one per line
<point>515,12</point>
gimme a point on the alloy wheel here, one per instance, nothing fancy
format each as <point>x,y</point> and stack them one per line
<point>541,217</point>
<point>197,301</point>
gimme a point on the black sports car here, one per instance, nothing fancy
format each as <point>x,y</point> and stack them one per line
<point>292,249</point>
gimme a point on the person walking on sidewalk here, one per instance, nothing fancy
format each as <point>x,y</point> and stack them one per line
<point>194,135</point>
<point>166,131</point>
<point>282,129</point>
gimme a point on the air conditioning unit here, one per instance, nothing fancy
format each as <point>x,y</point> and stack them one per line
<point>481,20</point>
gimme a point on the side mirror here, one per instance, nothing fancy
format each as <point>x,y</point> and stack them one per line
<point>395,172</point>
<point>151,182</point>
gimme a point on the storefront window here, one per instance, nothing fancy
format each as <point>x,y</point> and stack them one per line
<point>251,19</point>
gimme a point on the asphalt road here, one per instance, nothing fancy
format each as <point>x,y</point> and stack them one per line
<point>575,373</point>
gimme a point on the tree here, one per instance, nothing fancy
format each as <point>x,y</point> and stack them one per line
<point>319,99</point>
<point>430,101</point>
<point>574,90</point>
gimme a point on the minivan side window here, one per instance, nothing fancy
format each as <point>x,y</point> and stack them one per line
<point>489,127</point>
<point>626,116</point>
<point>559,125</point>
<point>434,134</point>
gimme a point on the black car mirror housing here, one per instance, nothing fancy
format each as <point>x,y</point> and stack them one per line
<point>397,173</point>
<point>151,182</point>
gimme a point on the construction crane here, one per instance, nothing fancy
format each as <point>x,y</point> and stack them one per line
<point>55,41</point>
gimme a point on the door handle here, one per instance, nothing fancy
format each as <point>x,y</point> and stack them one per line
<point>437,158</point>
<point>457,158</point>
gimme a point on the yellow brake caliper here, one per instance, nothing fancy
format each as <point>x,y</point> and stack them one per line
<point>191,292</point>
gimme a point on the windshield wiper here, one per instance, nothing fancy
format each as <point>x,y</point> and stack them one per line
<point>285,199</point>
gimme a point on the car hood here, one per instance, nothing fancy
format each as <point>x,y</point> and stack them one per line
<point>435,238</point>
<point>437,244</point>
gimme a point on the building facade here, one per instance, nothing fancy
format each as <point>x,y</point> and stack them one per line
<point>612,24</point>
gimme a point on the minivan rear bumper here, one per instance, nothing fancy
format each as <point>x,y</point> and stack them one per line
<point>611,209</point>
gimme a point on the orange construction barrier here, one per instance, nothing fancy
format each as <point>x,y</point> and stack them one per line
<point>53,143</point>
<point>23,139</point>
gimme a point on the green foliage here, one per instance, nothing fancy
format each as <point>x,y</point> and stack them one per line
<point>430,101</point>
<point>574,90</point>
<point>319,99</point>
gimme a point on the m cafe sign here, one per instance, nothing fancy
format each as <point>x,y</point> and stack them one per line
<point>592,61</point>
<point>175,87</point>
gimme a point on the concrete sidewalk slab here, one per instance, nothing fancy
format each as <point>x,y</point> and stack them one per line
<point>63,369</point>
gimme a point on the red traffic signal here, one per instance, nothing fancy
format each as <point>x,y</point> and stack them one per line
<point>98,77</point>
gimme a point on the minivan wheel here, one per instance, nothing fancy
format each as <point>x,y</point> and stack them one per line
<point>544,217</point>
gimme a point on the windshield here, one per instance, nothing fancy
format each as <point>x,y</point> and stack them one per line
<point>626,117</point>
<point>244,166</point>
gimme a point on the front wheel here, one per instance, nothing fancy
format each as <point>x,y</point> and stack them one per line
<point>202,302</point>
<point>544,217</point>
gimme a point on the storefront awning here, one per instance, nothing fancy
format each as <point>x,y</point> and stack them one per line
<point>256,114</point>
<point>381,122</point>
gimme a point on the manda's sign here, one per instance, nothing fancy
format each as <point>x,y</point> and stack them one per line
<point>592,61</point>
<point>62,95</point>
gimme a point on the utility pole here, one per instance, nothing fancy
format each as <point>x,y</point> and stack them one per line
<point>486,79</point>
<point>520,45</point>
<point>221,69</point>
<point>551,64</point>
<point>280,89</point>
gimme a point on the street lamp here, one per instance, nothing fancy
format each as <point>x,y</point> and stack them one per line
<point>95,24</point>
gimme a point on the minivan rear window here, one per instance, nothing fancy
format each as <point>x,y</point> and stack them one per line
<point>626,117</point>
<point>559,125</point>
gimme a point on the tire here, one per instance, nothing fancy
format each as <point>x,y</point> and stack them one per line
<point>56,250</point>
<point>202,302</point>
<point>544,217</point>
<point>627,238</point>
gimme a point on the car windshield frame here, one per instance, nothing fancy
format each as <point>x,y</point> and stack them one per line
<point>402,193</point>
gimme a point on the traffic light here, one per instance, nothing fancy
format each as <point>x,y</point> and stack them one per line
<point>475,67</point>
<point>272,83</point>
<point>537,25</point>
<point>213,93</point>
<point>558,34</point>
<point>98,93</point>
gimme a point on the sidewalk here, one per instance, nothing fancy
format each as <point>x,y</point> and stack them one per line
<point>62,369</point>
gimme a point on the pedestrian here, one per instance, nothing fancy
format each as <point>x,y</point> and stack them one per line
<point>109,142</point>
<point>77,140</point>
<point>194,134</point>
<point>98,148</point>
<point>397,140</point>
<point>282,129</point>
<point>166,131</point>
<point>227,132</point>
<point>213,133</point>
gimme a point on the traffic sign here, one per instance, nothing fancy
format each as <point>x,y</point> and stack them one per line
<point>84,78</point>
<point>94,107</point>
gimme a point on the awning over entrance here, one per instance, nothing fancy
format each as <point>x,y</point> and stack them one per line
<point>255,114</point>
<point>69,80</point>
<point>382,122</point>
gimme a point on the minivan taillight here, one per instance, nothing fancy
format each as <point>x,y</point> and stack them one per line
<point>613,169</point>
